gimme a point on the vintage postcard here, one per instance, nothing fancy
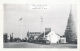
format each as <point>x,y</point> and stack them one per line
<point>40,24</point>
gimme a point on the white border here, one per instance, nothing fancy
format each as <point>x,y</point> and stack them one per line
<point>33,1</point>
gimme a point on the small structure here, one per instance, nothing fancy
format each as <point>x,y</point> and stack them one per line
<point>62,40</point>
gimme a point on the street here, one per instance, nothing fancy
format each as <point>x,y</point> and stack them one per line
<point>33,45</point>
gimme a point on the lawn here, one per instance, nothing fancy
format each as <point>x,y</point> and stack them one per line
<point>34,45</point>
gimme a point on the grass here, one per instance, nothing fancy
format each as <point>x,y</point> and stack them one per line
<point>33,45</point>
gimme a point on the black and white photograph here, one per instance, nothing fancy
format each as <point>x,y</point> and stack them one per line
<point>40,25</point>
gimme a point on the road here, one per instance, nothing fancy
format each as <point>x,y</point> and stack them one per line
<point>33,45</point>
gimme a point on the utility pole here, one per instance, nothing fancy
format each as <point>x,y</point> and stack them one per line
<point>28,27</point>
<point>28,32</point>
<point>42,26</point>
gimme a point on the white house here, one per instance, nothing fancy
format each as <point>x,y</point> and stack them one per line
<point>53,37</point>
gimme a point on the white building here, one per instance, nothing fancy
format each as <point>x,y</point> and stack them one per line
<point>53,37</point>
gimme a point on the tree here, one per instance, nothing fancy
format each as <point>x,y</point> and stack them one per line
<point>5,37</point>
<point>70,32</point>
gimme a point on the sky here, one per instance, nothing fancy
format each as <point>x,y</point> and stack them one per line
<point>55,16</point>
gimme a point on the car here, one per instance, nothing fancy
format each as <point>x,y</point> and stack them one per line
<point>43,40</point>
<point>31,39</point>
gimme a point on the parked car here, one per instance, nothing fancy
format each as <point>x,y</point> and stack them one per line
<point>31,39</point>
<point>43,40</point>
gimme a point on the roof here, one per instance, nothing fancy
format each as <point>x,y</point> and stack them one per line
<point>34,32</point>
<point>46,33</point>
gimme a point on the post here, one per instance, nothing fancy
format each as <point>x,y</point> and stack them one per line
<point>42,25</point>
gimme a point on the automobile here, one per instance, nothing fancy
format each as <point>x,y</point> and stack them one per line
<point>31,39</point>
<point>43,40</point>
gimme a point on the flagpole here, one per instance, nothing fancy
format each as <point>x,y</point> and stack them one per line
<point>20,19</point>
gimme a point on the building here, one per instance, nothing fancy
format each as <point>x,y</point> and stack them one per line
<point>33,35</point>
<point>43,34</point>
<point>53,37</point>
<point>49,35</point>
<point>62,40</point>
<point>47,29</point>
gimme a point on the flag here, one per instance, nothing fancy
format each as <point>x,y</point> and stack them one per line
<point>20,19</point>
